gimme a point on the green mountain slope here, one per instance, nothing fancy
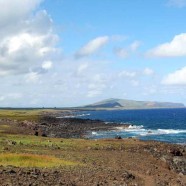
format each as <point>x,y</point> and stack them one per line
<point>132,104</point>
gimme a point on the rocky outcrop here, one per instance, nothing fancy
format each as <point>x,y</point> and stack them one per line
<point>72,177</point>
<point>72,127</point>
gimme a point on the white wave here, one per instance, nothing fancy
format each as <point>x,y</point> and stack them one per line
<point>145,132</point>
<point>70,116</point>
<point>82,115</point>
<point>130,128</point>
<point>139,130</point>
<point>74,116</point>
<point>94,133</point>
<point>171,131</point>
<point>135,127</point>
<point>108,122</point>
<point>120,128</point>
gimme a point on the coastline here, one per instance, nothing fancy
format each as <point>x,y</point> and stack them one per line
<point>83,161</point>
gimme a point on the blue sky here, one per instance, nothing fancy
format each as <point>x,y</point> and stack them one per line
<point>69,53</point>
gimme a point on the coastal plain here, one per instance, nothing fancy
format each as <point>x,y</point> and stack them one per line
<point>39,148</point>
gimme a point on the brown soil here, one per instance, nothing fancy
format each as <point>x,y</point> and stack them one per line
<point>112,162</point>
<point>123,162</point>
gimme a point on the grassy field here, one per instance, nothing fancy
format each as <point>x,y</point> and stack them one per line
<point>18,148</point>
<point>32,151</point>
<point>32,160</point>
<point>84,161</point>
<point>20,114</point>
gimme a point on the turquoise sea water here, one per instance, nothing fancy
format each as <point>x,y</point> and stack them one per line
<point>168,125</point>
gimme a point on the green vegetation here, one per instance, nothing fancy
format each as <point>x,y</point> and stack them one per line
<point>24,114</point>
<point>32,160</point>
<point>20,115</point>
<point>111,104</point>
<point>30,151</point>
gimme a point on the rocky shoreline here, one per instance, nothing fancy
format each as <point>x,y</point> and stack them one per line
<point>112,162</point>
<point>50,126</point>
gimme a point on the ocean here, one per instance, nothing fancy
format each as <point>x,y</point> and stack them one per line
<point>167,125</point>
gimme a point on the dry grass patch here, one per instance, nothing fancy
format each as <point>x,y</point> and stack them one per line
<point>32,160</point>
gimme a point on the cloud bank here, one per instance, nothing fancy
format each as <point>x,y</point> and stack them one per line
<point>174,48</point>
<point>27,40</point>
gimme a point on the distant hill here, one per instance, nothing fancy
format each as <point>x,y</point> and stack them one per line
<point>132,104</point>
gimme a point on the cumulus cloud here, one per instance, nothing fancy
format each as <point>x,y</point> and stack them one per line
<point>47,65</point>
<point>125,52</point>
<point>27,42</point>
<point>174,48</point>
<point>12,12</point>
<point>177,3</point>
<point>176,78</point>
<point>148,71</point>
<point>92,46</point>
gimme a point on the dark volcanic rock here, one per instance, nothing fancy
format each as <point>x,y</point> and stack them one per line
<point>176,152</point>
<point>118,137</point>
<point>47,177</point>
<point>70,127</point>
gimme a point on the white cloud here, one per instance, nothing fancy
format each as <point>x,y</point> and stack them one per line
<point>176,78</point>
<point>127,74</point>
<point>135,45</point>
<point>47,65</point>
<point>122,52</point>
<point>27,41</point>
<point>148,71</point>
<point>97,85</point>
<point>92,46</point>
<point>125,52</point>
<point>177,3</point>
<point>174,48</point>
<point>32,77</point>
<point>24,40</point>
<point>81,68</point>
<point>94,93</point>
<point>12,12</point>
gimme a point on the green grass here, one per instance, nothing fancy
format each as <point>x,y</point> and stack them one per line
<point>20,115</point>
<point>25,114</point>
<point>30,151</point>
<point>32,160</point>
